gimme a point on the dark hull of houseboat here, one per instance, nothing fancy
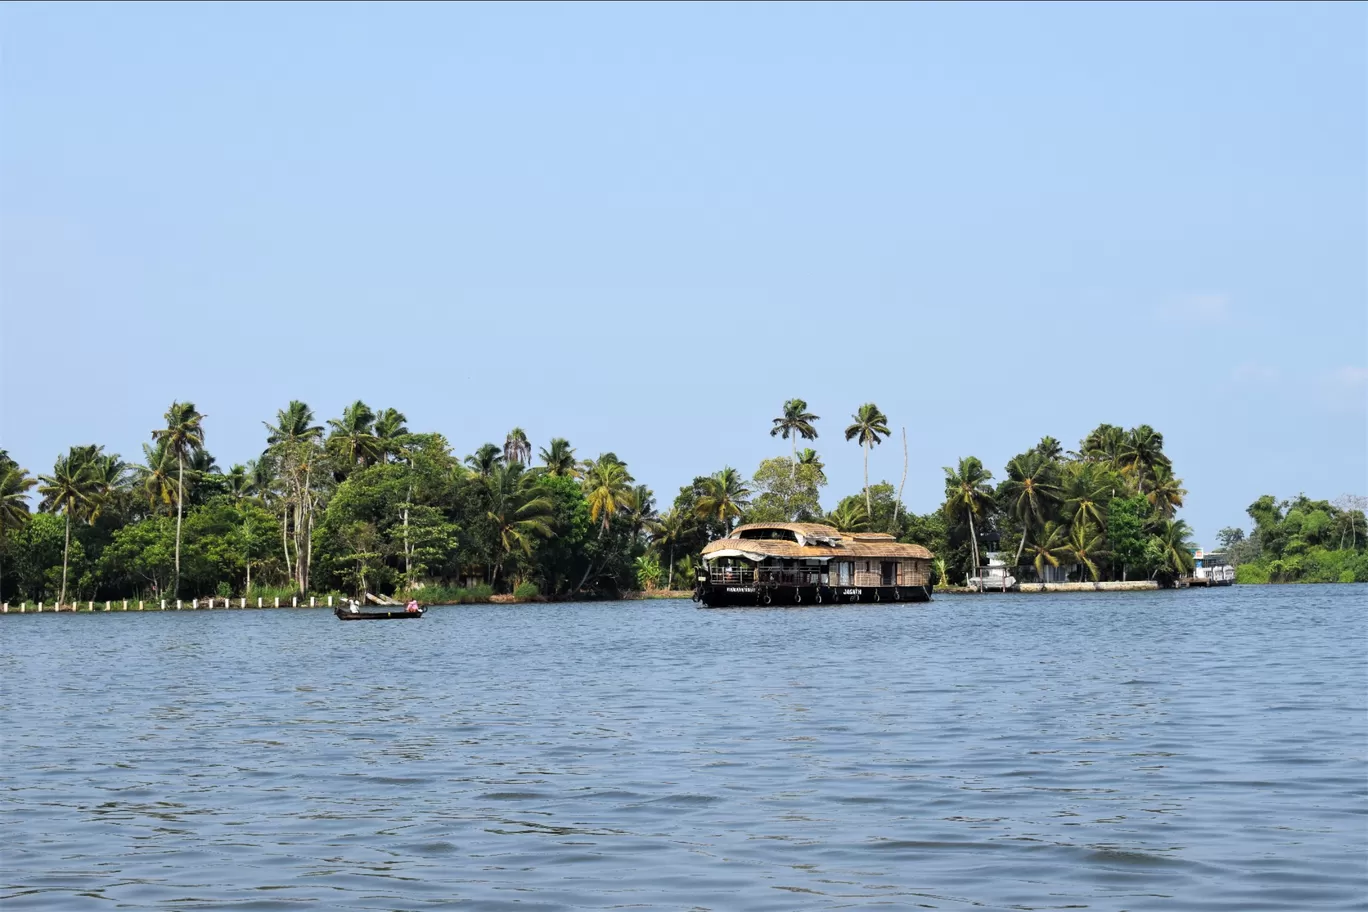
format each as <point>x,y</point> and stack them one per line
<point>710,595</point>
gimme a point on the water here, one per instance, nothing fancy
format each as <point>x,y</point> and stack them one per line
<point>1171,750</point>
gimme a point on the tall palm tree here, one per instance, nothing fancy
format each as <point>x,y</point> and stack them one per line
<point>1050,448</point>
<point>353,440</point>
<point>794,423</point>
<point>1086,546</point>
<point>485,460</point>
<point>670,530</point>
<point>517,448</point>
<point>518,512</point>
<point>560,458</point>
<point>1166,492</point>
<point>183,435</point>
<point>1103,444</point>
<point>15,483</point>
<point>69,491</point>
<point>848,517</point>
<point>238,482</point>
<point>724,496</point>
<point>639,508</point>
<point>390,429</point>
<point>968,494</point>
<point>809,456</point>
<point>157,476</point>
<point>869,428</point>
<point>1030,489</point>
<point>607,486</point>
<point>109,475</point>
<point>1142,450</point>
<point>293,445</point>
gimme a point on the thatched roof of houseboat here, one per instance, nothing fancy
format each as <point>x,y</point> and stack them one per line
<point>818,541</point>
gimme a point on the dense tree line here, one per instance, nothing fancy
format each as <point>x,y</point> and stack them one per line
<point>1301,540</point>
<point>362,503</point>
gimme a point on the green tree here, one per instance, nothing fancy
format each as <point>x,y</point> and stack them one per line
<point>293,443</point>
<point>968,494</point>
<point>390,430</point>
<point>1048,545</point>
<point>1166,492</point>
<point>1050,449</point>
<point>352,441</point>
<point>520,512</point>
<point>869,427</point>
<point>724,497</point>
<point>1031,491</point>
<point>785,492</point>
<point>1142,451</point>
<point>1127,518</point>
<point>485,460</point>
<point>808,457</point>
<point>517,449</point>
<point>15,483</point>
<point>182,436</point>
<point>794,423</point>
<point>849,516</point>
<point>69,490</point>
<point>559,458</point>
<point>1086,546</point>
<point>1173,548</point>
<point>607,485</point>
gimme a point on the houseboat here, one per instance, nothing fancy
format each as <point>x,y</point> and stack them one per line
<point>810,564</point>
<point>1211,569</point>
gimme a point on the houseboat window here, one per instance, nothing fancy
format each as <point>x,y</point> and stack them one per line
<point>889,573</point>
<point>769,534</point>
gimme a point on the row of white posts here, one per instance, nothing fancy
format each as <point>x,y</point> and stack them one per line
<point>194,605</point>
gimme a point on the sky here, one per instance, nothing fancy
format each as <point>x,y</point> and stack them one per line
<point>644,227</point>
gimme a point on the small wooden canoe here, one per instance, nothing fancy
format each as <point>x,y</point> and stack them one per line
<point>402,614</point>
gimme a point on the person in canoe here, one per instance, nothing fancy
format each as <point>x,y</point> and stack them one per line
<point>412,607</point>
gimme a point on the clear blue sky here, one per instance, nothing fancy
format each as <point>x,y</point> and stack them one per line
<point>644,227</point>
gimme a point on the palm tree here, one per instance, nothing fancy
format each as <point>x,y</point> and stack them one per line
<point>1050,448</point>
<point>870,427</point>
<point>517,448</point>
<point>1174,547</point>
<point>292,444</point>
<point>967,494</point>
<point>390,430</point>
<point>1030,489</point>
<point>794,423</point>
<point>560,458</point>
<point>639,508</point>
<point>353,440</point>
<point>1086,546</point>
<point>68,490</point>
<point>109,475</point>
<point>156,477</point>
<point>848,517</point>
<point>485,460</point>
<point>1103,444</point>
<point>183,435</point>
<point>724,496</point>
<point>607,487</point>
<point>1166,492</point>
<point>518,512</point>
<point>1142,450</point>
<point>1046,547</point>
<point>808,456</point>
<point>15,484</point>
<point>238,482</point>
<point>671,529</point>
<point>1085,495</point>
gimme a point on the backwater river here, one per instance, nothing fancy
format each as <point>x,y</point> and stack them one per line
<point>1195,750</point>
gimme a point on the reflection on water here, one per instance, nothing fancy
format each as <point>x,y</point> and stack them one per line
<point>1193,750</point>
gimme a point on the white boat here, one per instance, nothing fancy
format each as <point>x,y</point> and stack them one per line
<point>993,576</point>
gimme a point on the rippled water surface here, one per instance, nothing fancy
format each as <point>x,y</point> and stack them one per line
<point>1171,750</point>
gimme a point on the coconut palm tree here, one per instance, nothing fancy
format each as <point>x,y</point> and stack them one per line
<point>1166,492</point>
<point>639,509</point>
<point>110,475</point>
<point>1104,444</point>
<point>968,494</point>
<point>15,483</point>
<point>517,449</point>
<point>671,529</point>
<point>1142,450</point>
<point>1030,490</point>
<point>848,517</point>
<point>723,497</point>
<point>869,428</point>
<point>560,458</point>
<point>293,445</point>
<point>390,430</point>
<point>794,423</point>
<point>69,491</point>
<point>607,486</point>
<point>1046,548</point>
<point>1086,545</point>
<point>518,512</point>
<point>157,476</point>
<point>1174,547</point>
<point>1085,495</point>
<point>485,460</point>
<point>808,456</point>
<point>1050,448</point>
<point>238,482</point>
<point>353,441</point>
<point>183,435</point>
